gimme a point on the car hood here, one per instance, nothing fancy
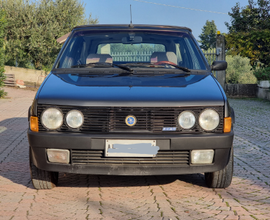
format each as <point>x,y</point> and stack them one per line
<point>132,90</point>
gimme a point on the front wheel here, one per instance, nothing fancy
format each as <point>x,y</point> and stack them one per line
<point>221,178</point>
<point>42,179</point>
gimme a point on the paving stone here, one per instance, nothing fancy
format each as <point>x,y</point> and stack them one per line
<point>154,197</point>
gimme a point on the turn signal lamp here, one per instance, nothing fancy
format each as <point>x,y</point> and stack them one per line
<point>227,125</point>
<point>34,123</point>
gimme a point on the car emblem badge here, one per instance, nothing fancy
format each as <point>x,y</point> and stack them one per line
<point>131,120</point>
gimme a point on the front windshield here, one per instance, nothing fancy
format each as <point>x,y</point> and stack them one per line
<point>131,48</point>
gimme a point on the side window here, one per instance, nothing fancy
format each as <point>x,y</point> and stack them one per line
<point>104,49</point>
<point>73,55</point>
<point>187,55</point>
<point>194,59</point>
<point>178,54</point>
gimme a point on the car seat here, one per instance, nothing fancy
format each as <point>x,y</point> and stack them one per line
<point>99,58</point>
<point>163,56</point>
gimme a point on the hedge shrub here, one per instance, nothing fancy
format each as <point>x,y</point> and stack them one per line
<point>3,24</point>
<point>239,70</point>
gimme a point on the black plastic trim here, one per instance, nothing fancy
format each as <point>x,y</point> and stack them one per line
<point>40,141</point>
<point>40,160</point>
<point>63,140</point>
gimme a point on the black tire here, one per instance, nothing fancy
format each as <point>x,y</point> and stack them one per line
<point>42,179</point>
<point>221,178</point>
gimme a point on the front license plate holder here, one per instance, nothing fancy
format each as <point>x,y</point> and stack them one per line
<point>131,148</point>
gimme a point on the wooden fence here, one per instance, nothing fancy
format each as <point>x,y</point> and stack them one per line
<point>210,55</point>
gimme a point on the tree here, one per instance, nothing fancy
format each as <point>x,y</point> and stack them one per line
<point>249,32</point>
<point>3,23</point>
<point>34,26</point>
<point>208,35</point>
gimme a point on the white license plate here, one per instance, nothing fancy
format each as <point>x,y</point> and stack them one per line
<point>131,148</point>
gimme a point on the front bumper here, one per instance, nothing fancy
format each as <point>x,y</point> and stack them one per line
<point>40,141</point>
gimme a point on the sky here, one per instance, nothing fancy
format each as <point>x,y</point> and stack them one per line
<point>187,13</point>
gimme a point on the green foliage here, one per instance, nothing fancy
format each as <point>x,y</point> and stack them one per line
<point>262,73</point>
<point>254,16</point>
<point>254,45</point>
<point>34,26</point>
<point>208,35</point>
<point>3,23</point>
<point>249,32</point>
<point>239,70</point>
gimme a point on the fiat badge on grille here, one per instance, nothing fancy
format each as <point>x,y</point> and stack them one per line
<point>131,120</point>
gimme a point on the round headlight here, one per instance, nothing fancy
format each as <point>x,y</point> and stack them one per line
<point>186,120</point>
<point>209,119</point>
<point>74,119</point>
<point>52,118</point>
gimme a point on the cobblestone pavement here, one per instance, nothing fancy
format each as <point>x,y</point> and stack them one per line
<point>157,197</point>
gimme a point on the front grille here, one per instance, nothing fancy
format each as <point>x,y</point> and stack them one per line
<point>112,119</point>
<point>92,157</point>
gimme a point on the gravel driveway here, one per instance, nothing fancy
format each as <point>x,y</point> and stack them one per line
<point>157,197</point>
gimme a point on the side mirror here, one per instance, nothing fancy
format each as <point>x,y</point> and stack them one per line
<point>219,65</point>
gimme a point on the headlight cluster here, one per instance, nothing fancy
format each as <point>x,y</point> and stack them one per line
<point>208,119</point>
<point>53,118</point>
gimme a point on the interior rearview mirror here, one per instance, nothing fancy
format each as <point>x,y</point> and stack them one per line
<point>132,39</point>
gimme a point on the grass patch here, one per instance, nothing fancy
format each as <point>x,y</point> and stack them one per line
<point>172,208</point>
<point>253,217</point>
<point>236,200</point>
<point>244,208</point>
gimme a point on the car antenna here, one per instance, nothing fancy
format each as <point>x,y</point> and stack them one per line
<point>131,25</point>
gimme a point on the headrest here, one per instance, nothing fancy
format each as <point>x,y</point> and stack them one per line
<point>97,58</point>
<point>163,56</point>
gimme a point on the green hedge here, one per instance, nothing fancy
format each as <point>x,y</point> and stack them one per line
<point>262,73</point>
<point>3,24</point>
<point>239,70</point>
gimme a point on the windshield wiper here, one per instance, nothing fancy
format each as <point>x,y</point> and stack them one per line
<point>180,75</point>
<point>157,65</point>
<point>103,65</point>
<point>142,65</point>
<point>123,67</point>
<point>174,65</point>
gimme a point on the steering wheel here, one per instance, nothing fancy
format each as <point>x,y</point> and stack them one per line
<point>165,62</point>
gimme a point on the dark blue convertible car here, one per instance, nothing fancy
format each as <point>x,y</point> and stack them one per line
<point>131,100</point>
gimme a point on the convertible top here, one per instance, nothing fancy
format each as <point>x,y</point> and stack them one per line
<point>132,26</point>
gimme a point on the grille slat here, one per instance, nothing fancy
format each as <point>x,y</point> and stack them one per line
<point>112,119</point>
<point>97,157</point>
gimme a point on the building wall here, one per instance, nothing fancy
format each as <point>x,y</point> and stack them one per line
<point>35,77</point>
